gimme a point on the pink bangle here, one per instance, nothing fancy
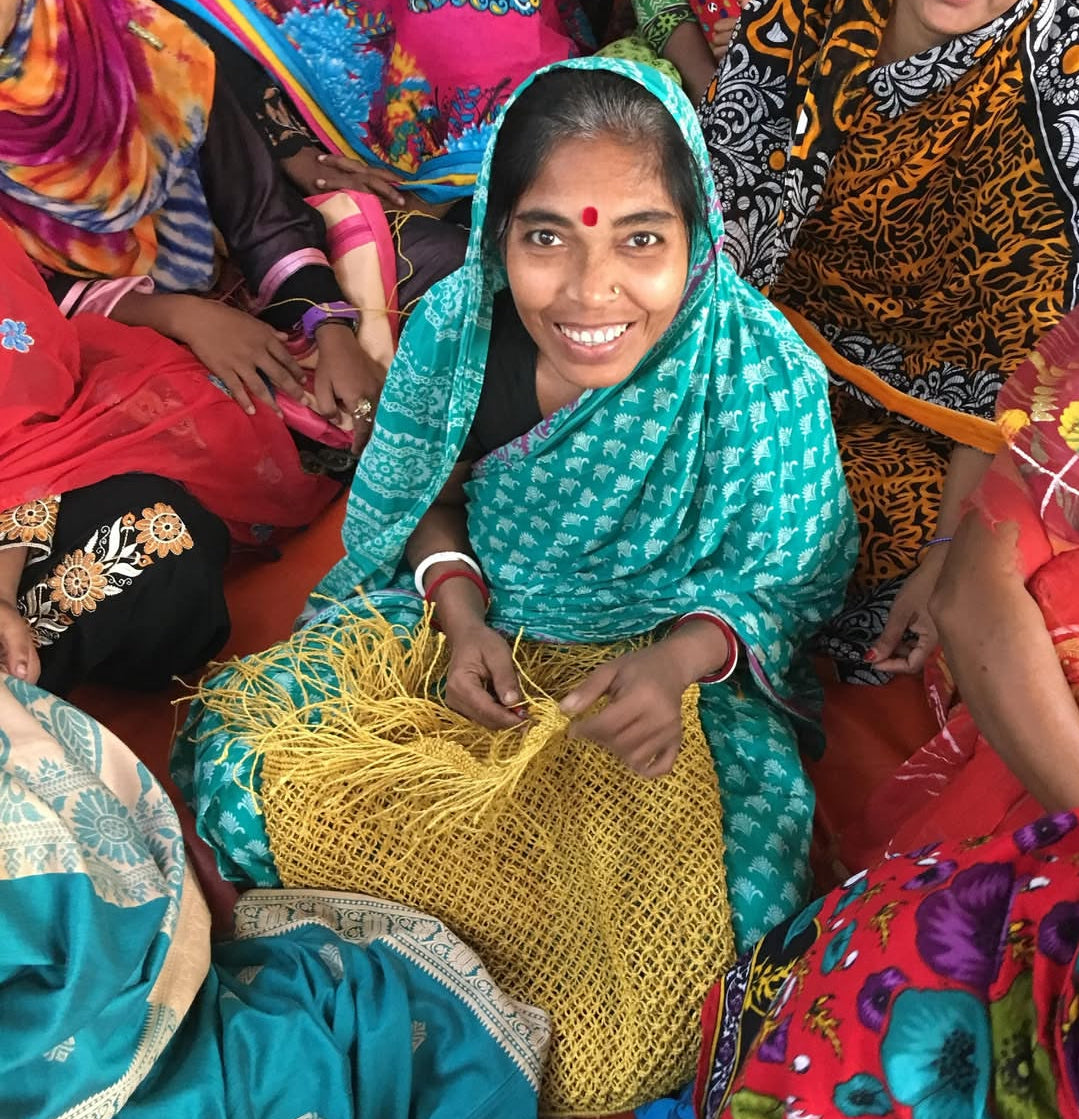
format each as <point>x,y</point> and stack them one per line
<point>726,670</point>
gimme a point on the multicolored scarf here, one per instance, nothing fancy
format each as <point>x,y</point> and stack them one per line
<point>103,109</point>
<point>411,86</point>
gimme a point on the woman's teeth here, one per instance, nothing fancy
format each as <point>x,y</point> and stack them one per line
<point>594,337</point>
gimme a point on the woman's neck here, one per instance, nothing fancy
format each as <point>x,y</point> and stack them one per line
<point>905,36</point>
<point>552,390</point>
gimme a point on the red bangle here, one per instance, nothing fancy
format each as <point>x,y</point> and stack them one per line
<point>731,663</point>
<point>458,573</point>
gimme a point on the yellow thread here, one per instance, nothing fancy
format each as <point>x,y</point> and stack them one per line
<point>587,890</point>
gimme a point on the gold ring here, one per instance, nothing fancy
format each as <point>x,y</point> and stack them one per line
<point>363,410</point>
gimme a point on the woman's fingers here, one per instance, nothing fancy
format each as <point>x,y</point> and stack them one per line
<point>280,375</point>
<point>237,389</point>
<point>594,685</point>
<point>342,173</point>
<point>18,654</point>
<point>908,660</point>
<point>280,352</point>
<point>325,401</point>
<point>466,693</point>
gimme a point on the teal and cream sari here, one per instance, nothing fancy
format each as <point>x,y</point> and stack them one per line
<point>709,480</point>
<point>112,1001</point>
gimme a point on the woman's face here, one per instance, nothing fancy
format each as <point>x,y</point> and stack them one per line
<point>937,21</point>
<point>597,257</point>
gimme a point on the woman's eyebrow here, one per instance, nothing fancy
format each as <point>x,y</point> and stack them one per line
<point>538,216</point>
<point>645,217</point>
<point>543,217</point>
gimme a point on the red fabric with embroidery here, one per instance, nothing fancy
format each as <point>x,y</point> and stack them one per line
<point>88,399</point>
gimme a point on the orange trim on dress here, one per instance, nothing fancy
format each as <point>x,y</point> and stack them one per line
<point>963,428</point>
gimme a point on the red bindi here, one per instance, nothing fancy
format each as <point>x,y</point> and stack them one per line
<point>590,215</point>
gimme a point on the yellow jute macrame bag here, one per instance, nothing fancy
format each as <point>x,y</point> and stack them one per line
<point>587,890</point>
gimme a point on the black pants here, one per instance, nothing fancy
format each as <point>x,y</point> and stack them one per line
<point>132,592</point>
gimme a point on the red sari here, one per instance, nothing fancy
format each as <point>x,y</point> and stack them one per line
<point>89,399</point>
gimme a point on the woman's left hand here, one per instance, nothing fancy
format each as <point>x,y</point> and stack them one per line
<point>910,634</point>
<point>642,723</point>
<point>345,376</point>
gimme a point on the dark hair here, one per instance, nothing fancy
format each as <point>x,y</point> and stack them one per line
<point>570,104</point>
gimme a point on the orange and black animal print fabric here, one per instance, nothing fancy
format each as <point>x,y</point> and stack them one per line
<point>922,216</point>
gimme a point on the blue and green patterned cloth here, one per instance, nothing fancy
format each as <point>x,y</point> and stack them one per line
<point>323,1006</point>
<point>708,480</point>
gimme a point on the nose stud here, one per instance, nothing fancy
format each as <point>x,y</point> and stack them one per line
<point>616,290</point>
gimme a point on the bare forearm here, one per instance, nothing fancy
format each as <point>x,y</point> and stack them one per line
<point>1005,665</point>
<point>966,469</point>
<point>688,50</point>
<point>164,313</point>
<point>12,562</point>
<point>458,602</point>
<point>700,647</point>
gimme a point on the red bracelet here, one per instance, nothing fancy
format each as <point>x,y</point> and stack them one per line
<point>458,573</point>
<point>731,663</point>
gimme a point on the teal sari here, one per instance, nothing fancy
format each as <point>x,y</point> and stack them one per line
<point>112,1001</point>
<point>709,480</point>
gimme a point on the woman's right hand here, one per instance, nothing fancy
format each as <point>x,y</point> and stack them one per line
<point>18,655</point>
<point>234,346</point>
<point>315,172</point>
<point>481,682</point>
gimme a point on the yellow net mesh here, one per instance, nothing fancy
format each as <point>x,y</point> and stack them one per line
<point>587,890</point>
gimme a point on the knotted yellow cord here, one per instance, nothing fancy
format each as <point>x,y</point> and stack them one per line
<point>587,890</point>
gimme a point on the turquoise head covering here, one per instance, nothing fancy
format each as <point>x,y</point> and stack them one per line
<point>709,479</point>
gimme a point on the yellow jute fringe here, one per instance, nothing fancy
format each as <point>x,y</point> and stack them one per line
<point>587,890</point>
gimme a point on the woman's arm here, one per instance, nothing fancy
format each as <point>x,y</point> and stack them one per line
<point>18,656</point>
<point>693,58</point>
<point>893,651</point>
<point>1004,663</point>
<point>481,662</point>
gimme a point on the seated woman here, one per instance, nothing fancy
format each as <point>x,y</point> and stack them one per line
<point>124,473</point>
<point>599,417</point>
<point>323,1004</point>
<point>593,432</point>
<point>394,97</point>
<point>120,153</point>
<point>899,176</point>
<point>1006,607</point>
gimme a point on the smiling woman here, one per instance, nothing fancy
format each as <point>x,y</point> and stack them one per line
<point>599,438</point>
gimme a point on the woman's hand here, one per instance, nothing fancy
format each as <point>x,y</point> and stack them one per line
<point>345,376</point>
<point>720,38</point>
<point>315,172</point>
<point>642,723</point>
<point>18,655</point>
<point>481,682</point>
<point>910,634</point>
<point>232,344</point>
